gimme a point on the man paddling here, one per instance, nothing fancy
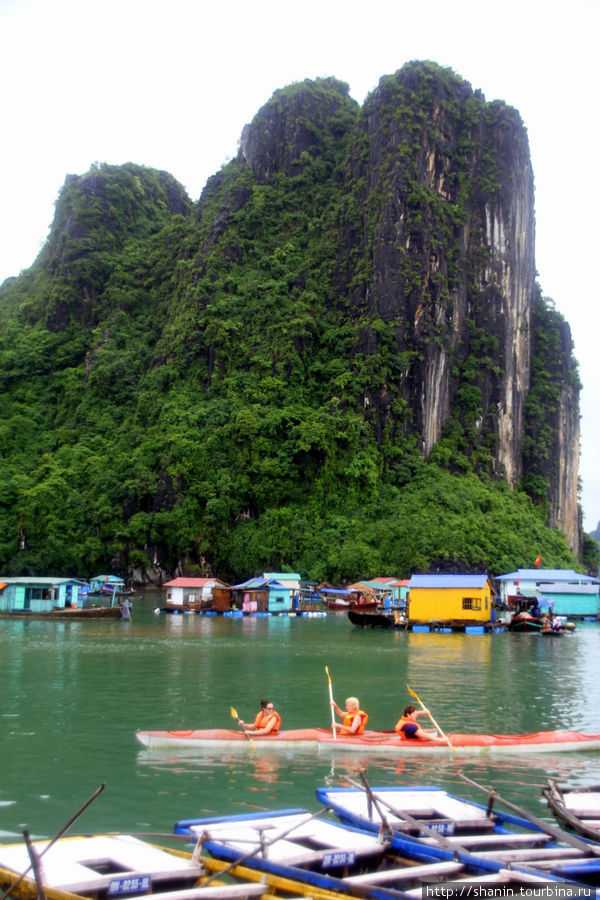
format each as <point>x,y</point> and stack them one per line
<point>267,721</point>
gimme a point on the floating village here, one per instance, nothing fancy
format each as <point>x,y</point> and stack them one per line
<point>549,601</point>
<point>366,841</point>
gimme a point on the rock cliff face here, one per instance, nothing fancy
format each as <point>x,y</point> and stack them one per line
<point>445,190</point>
<point>436,258</point>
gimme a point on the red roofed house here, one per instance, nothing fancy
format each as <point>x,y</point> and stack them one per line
<point>191,594</point>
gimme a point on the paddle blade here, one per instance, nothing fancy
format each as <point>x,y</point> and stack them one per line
<point>410,691</point>
<point>234,714</point>
<point>327,673</point>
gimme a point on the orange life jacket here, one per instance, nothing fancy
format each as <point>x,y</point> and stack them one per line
<point>405,720</point>
<point>349,719</point>
<point>263,718</point>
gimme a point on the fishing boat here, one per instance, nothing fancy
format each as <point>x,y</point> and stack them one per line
<point>116,865</point>
<point>428,822</point>
<point>375,741</point>
<point>524,621</point>
<point>577,807</point>
<point>339,605</point>
<point>327,855</point>
<point>66,612</point>
<point>374,619</point>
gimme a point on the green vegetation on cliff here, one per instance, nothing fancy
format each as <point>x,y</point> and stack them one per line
<point>184,385</point>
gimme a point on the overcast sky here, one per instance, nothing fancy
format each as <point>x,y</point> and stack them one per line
<point>171,84</point>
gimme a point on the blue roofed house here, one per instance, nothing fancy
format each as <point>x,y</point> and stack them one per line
<point>270,592</point>
<point>564,591</point>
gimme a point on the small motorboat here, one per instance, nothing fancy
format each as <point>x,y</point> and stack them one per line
<point>576,807</point>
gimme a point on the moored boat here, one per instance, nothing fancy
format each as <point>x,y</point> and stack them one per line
<point>375,741</point>
<point>111,865</point>
<point>66,612</point>
<point>327,855</point>
<point>524,621</point>
<point>374,619</point>
<point>428,822</point>
<point>578,808</point>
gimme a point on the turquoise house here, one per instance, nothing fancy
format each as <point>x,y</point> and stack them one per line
<point>279,595</point>
<point>38,595</point>
<point>569,593</point>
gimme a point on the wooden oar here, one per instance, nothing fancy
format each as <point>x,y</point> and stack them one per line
<point>330,702</point>
<point>81,809</point>
<point>423,707</point>
<point>554,830</point>
<point>234,715</point>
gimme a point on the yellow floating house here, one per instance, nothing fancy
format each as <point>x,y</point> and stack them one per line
<point>453,600</point>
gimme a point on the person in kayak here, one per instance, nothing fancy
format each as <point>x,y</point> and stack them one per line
<point>355,719</point>
<point>408,727</point>
<point>267,720</point>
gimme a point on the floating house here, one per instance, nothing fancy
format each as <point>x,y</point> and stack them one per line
<point>191,594</point>
<point>565,592</point>
<point>265,593</point>
<point>456,601</point>
<point>32,594</point>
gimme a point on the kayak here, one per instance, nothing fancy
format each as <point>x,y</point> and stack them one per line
<point>375,741</point>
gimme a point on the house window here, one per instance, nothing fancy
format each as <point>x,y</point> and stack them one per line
<point>471,602</point>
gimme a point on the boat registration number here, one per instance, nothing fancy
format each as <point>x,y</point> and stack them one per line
<point>133,884</point>
<point>439,828</point>
<point>338,858</point>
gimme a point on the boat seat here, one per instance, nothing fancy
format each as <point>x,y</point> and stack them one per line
<point>531,853</point>
<point>500,878</point>
<point>480,840</point>
<point>309,856</point>
<point>460,825</point>
<point>102,881</point>
<point>212,892</point>
<point>406,873</point>
<point>583,813</point>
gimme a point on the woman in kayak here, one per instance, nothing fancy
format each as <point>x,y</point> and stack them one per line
<point>267,721</point>
<point>408,727</point>
<point>355,718</point>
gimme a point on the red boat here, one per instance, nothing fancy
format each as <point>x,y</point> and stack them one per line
<point>376,741</point>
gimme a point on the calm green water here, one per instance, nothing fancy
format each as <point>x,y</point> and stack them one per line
<point>74,693</point>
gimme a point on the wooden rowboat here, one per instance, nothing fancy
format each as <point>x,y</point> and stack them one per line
<point>375,741</point>
<point>428,822</point>
<point>122,865</point>
<point>328,855</point>
<point>578,808</point>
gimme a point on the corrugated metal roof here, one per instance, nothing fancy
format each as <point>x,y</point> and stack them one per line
<point>189,582</point>
<point>547,575</point>
<point>447,581</point>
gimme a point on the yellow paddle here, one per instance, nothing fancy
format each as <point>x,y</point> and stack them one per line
<point>422,705</point>
<point>234,715</point>
<point>331,701</point>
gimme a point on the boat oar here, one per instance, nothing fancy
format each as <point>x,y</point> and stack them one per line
<point>234,715</point>
<point>554,830</point>
<point>330,703</point>
<point>81,809</point>
<point>423,707</point>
